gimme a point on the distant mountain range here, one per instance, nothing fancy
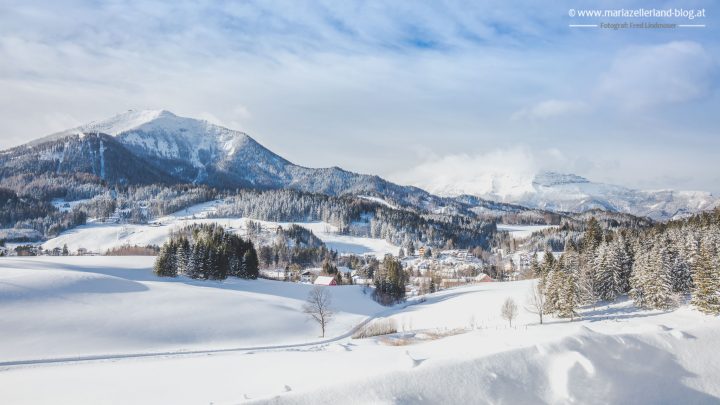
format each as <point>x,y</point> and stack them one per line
<point>560,192</point>
<point>145,147</point>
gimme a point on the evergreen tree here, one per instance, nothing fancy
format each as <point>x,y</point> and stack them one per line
<point>250,260</point>
<point>163,266</point>
<point>638,279</point>
<point>390,281</point>
<point>195,262</point>
<point>592,237</point>
<point>548,262</point>
<point>608,268</point>
<point>182,255</point>
<point>681,274</point>
<point>553,286</point>
<point>410,248</point>
<point>587,281</point>
<point>706,294</point>
<point>329,268</point>
<point>535,268</point>
<point>568,296</point>
<point>651,285</point>
<point>624,255</point>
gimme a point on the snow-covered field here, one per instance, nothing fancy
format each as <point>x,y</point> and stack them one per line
<point>100,237</point>
<point>79,306</point>
<point>452,348</point>
<point>522,231</point>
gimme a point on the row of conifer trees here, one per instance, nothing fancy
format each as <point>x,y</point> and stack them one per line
<point>658,267</point>
<point>206,251</point>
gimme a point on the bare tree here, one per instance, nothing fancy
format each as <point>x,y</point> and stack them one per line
<point>536,300</point>
<point>509,310</point>
<point>318,306</point>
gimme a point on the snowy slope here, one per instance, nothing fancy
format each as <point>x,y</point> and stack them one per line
<point>616,354</point>
<point>522,231</point>
<point>78,306</point>
<point>101,237</point>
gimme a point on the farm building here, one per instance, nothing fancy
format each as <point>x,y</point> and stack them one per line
<point>482,278</point>
<point>325,280</point>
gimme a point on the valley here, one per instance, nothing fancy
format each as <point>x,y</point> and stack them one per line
<point>155,258</point>
<point>359,203</point>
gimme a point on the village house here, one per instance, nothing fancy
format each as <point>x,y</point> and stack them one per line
<point>482,278</point>
<point>360,280</point>
<point>306,276</point>
<point>325,280</point>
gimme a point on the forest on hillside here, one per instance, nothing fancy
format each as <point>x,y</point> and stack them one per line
<point>659,267</point>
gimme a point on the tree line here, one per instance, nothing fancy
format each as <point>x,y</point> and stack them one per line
<point>360,217</point>
<point>658,267</point>
<point>206,251</point>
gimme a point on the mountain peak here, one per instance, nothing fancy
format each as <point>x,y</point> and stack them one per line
<point>550,179</point>
<point>126,121</point>
<point>152,122</point>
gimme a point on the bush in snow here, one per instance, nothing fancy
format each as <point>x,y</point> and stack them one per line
<point>377,327</point>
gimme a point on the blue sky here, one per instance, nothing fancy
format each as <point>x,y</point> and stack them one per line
<point>391,88</point>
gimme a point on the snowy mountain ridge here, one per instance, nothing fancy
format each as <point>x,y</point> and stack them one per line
<point>163,134</point>
<point>171,149</point>
<point>146,146</point>
<point>550,179</point>
<point>563,192</point>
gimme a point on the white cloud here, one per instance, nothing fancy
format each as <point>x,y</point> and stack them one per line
<point>550,109</point>
<point>648,76</point>
<point>501,172</point>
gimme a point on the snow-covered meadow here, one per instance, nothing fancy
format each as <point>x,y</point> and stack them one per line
<point>80,306</point>
<point>100,237</point>
<point>522,231</point>
<point>142,339</point>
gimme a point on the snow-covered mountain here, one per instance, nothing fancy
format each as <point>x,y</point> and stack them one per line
<point>191,151</point>
<point>157,146</point>
<point>144,147</point>
<point>571,193</point>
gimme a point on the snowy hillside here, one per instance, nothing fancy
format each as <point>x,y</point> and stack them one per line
<point>101,237</point>
<point>521,231</point>
<point>452,348</point>
<point>191,150</point>
<point>80,306</point>
<point>570,193</point>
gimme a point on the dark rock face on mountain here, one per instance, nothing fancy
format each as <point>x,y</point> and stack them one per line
<point>100,155</point>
